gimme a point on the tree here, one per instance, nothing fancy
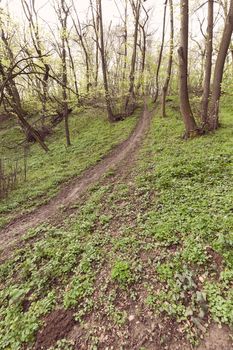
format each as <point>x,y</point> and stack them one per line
<point>208,63</point>
<point>96,26</point>
<point>104,64</point>
<point>32,17</point>
<point>170,60</point>
<point>189,121</point>
<point>63,11</point>
<point>160,54</point>
<point>218,71</point>
<point>130,99</point>
<point>143,24</point>
<point>10,93</point>
<point>81,41</point>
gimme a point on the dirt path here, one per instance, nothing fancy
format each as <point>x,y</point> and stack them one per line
<point>70,193</point>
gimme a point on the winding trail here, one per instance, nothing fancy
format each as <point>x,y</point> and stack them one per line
<point>71,192</point>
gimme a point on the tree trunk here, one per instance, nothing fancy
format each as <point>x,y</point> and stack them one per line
<point>125,40</point>
<point>96,25</point>
<point>208,64</point>
<point>73,68</point>
<point>169,68</point>
<point>104,65</point>
<point>32,17</point>
<point>218,71</point>
<point>189,121</point>
<point>28,129</point>
<point>18,110</point>
<point>231,48</point>
<point>64,93</point>
<point>130,97</point>
<point>160,54</point>
<point>78,29</point>
<point>143,48</point>
<point>63,15</point>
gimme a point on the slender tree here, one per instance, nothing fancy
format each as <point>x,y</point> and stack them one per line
<point>130,99</point>
<point>96,26</point>
<point>170,60</point>
<point>219,67</point>
<point>143,47</point>
<point>63,11</point>
<point>208,63</point>
<point>160,54</point>
<point>32,17</point>
<point>104,64</point>
<point>82,42</point>
<point>125,39</point>
<point>188,118</point>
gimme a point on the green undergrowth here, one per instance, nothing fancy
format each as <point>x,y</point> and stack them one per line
<point>191,221</point>
<point>55,266</point>
<point>92,137</point>
<point>156,246</point>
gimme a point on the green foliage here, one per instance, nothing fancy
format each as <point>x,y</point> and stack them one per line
<point>193,251</point>
<point>117,316</point>
<point>192,212</point>
<point>121,272</point>
<point>57,254</point>
<point>220,301</point>
<point>164,237</point>
<point>91,138</point>
<point>18,327</point>
<point>80,287</point>
<point>63,344</point>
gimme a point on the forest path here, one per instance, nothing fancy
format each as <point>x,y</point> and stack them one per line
<point>71,192</point>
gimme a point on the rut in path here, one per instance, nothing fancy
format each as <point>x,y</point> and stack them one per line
<point>71,192</point>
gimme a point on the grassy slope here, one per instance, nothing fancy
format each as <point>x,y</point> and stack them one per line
<point>162,240</point>
<point>92,137</point>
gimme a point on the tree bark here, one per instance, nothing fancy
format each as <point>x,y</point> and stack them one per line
<point>208,63</point>
<point>20,113</point>
<point>143,48</point>
<point>80,35</point>
<point>73,68</point>
<point>32,17</point>
<point>160,54</point>
<point>170,61</point>
<point>63,13</point>
<point>189,121</point>
<point>218,71</point>
<point>130,96</point>
<point>104,65</point>
<point>96,25</point>
<point>14,96</point>
<point>125,40</point>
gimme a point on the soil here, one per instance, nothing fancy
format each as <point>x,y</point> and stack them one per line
<point>71,192</point>
<point>3,118</point>
<point>217,339</point>
<point>57,324</point>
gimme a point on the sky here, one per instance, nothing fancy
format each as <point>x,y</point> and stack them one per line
<point>109,7</point>
<point>110,12</point>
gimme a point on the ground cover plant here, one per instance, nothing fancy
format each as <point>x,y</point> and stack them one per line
<point>116,175</point>
<point>148,249</point>
<point>92,138</point>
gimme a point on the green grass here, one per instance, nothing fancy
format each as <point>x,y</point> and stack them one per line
<point>158,245</point>
<point>92,137</point>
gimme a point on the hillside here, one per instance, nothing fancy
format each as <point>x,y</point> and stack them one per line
<point>143,260</point>
<point>92,138</point>
<point>116,173</point>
